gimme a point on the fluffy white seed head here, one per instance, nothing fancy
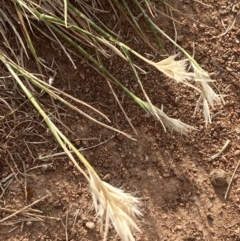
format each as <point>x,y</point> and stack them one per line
<point>113,204</point>
<point>208,95</point>
<point>174,69</point>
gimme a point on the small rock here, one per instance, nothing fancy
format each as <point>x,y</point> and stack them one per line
<point>82,76</point>
<point>85,144</point>
<point>44,167</point>
<point>178,227</point>
<point>218,177</point>
<point>210,216</point>
<point>90,225</point>
<point>166,175</point>
<point>237,130</point>
<point>237,153</point>
<point>29,223</point>
<point>237,231</point>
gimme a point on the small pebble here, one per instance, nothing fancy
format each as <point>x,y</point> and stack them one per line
<point>44,167</point>
<point>218,177</point>
<point>237,231</point>
<point>166,175</point>
<point>237,153</point>
<point>90,225</point>
<point>29,223</point>
<point>210,216</point>
<point>178,227</point>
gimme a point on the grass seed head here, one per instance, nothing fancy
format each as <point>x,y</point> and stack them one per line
<point>208,95</point>
<point>174,69</point>
<point>113,204</point>
<point>166,121</point>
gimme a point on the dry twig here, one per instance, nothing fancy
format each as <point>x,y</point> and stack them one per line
<point>224,147</point>
<point>23,209</point>
<point>230,183</point>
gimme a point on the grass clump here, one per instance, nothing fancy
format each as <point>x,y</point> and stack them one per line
<point>77,30</point>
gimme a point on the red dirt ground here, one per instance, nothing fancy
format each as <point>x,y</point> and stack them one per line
<point>169,171</point>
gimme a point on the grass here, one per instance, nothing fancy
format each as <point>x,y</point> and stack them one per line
<point>78,31</point>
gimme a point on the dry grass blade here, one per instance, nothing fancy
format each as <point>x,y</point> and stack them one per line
<point>6,18</point>
<point>119,206</point>
<point>28,213</point>
<point>207,5</point>
<point>219,153</point>
<point>23,209</point>
<point>78,31</point>
<point>229,27</point>
<point>133,21</point>
<point>230,183</point>
<point>64,49</point>
<point>65,13</point>
<point>151,9</point>
<point>187,15</point>
<point>170,67</point>
<point>46,87</point>
<point>80,150</point>
<point>5,104</point>
<point>5,182</point>
<point>27,36</point>
<point>120,106</point>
